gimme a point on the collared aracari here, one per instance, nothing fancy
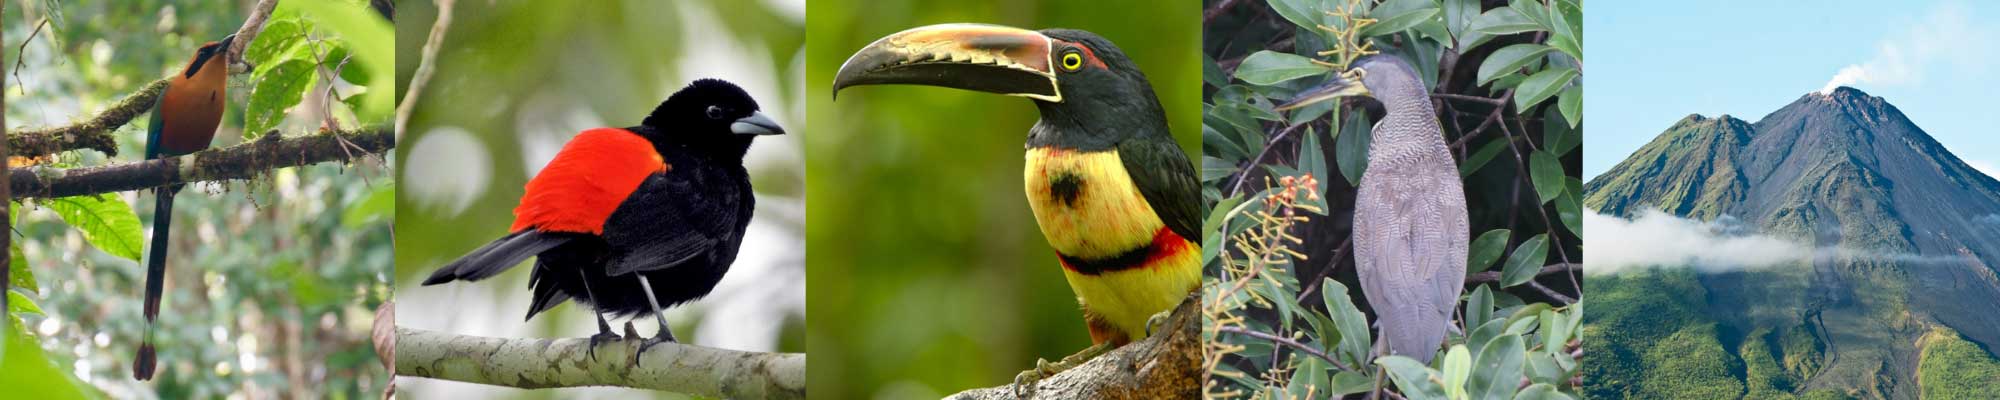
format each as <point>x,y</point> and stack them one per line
<point>1113,193</point>
<point>632,221</point>
<point>184,121</point>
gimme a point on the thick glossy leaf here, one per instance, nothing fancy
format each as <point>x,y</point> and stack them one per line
<point>1457,367</point>
<point>1547,172</point>
<point>1498,369</point>
<point>1459,14</point>
<point>1478,159</point>
<point>1508,59</point>
<point>1354,336</point>
<point>1312,158</point>
<point>1540,86</point>
<point>1571,104</point>
<point>278,38</point>
<point>1558,137</point>
<point>1399,21</point>
<point>1346,383</point>
<point>1541,391</point>
<point>1211,73</point>
<point>1352,147</point>
<point>1478,308</point>
<point>1533,10</point>
<point>1503,21</point>
<point>1269,67</point>
<point>1570,212</point>
<point>1306,14</point>
<point>1486,249</point>
<point>276,91</point>
<point>1214,169</point>
<point>1221,145</point>
<point>1526,261</point>
<point>1567,24</point>
<point>1412,378</point>
<point>1309,378</point>
<point>107,223</point>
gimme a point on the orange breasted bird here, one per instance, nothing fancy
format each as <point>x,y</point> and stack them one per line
<point>630,221</point>
<point>1113,193</point>
<point>184,121</point>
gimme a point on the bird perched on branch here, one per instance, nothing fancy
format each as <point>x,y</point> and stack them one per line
<point>631,221</point>
<point>1113,193</point>
<point>1410,227</point>
<point>184,121</point>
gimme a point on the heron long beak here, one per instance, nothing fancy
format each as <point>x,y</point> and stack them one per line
<point>1345,84</point>
<point>986,58</point>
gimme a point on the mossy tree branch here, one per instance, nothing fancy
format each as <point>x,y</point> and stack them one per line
<point>549,363</point>
<point>242,161</point>
<point>93,133</point>
<point>1166,365</point>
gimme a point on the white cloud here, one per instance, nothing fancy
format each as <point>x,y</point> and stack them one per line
<point>1945,35</point>
<point>1656,238</point>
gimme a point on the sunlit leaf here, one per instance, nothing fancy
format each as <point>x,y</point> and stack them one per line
<point>1503,21</point>
<point>1540,86</point>
<point>1498,369</point>
<point>1509,59</point>
<point>108,224</point>
<point>1413,379</point>
<point>1398,21</point>
<point>1526,261</point>
<point>1269,67</point>
<point>1457,367</point>
<point>276,91</point>
<point>18,274</point>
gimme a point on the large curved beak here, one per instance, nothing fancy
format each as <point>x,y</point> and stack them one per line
<point>986,58</point>
<point>225,41</point>
<point>1345,84</point>
<point>756,124</point>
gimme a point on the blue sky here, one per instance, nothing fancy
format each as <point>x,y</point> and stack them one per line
<point>1651,63</point>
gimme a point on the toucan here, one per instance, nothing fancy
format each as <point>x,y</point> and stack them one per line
<point>184,121</point>
<point>630,221</point>
<point>1115,196</point>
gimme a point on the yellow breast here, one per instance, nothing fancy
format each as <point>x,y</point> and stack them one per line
<point>1086,203</point>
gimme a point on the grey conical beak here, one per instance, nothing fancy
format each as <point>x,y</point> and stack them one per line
<point>756,124</point>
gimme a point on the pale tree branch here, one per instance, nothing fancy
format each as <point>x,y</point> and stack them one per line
<point>426,66</point>
<point>550,363</point>
<point>1166,365</point>
<point>252,26</point>
<point>242,161</point>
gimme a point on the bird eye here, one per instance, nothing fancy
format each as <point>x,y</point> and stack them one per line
<point>714,112</point>
<point>1072,60</point>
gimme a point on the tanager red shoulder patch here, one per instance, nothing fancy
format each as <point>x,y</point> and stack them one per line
<point>586,181</point>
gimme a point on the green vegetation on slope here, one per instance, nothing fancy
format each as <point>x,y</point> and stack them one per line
<point>1951,367</point>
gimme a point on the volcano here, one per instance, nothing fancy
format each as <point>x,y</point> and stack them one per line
<point>1910,239</point>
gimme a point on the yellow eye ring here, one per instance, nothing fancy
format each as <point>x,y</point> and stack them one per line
<point>1071,61</point>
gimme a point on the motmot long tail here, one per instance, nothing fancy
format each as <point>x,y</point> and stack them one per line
<point>156,268</point>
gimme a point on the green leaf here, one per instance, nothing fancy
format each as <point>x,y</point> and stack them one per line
<point>1547,172</point>
<point>1352,147</point>
<point>1353,326</point>
<point>1508,59</point>
<point>1306,14</point>
<point>1346,383</point>
<point>1568,29</point>
<point>1571,104</point>
<point>1399,21</point>
<point>1215,169</point>
<point>17,271</point>
<point>1541,391</point>
<point>379,205</point>
<point>1459,14</point>
<point>1413,379</point>
<point>1526,261</point>
<point>1540,86</point>
<point>1478,306</point>
<point>1487,249</point>
<point>276,91</point>
<point>1457,366</point>
<point>1269,67</point>
<point>1309,378</point>
<point>108,224</point>
<point>30,372</point>
<point>1499,369</point>
<point>1570,212</point>
<point>1211,73</point>
<point>374,44</point>
<point>278,38</point>
<point>1312,159</point>
<point>1557,136</point>
<point>1221,145</point>
<point>1480,158</point>
<point>1503,21</point>
<point>1533,10</point>
<point>19,304</point>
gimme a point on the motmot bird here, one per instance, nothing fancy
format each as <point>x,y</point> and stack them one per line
<point>184,121</point>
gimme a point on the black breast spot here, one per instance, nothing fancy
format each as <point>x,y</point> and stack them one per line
<point>1066,188</point>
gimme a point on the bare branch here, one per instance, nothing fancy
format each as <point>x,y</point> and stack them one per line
<point>1164,366</point>
<point>1477,278</point>
<point>547,363</point>
<point>425,67</point>
<point>241,161</point>
<point>252,26</point>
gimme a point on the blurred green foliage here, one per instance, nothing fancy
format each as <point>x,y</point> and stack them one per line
<point>272,282</point>
<point>929,275</point>
<point>514,81</point>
